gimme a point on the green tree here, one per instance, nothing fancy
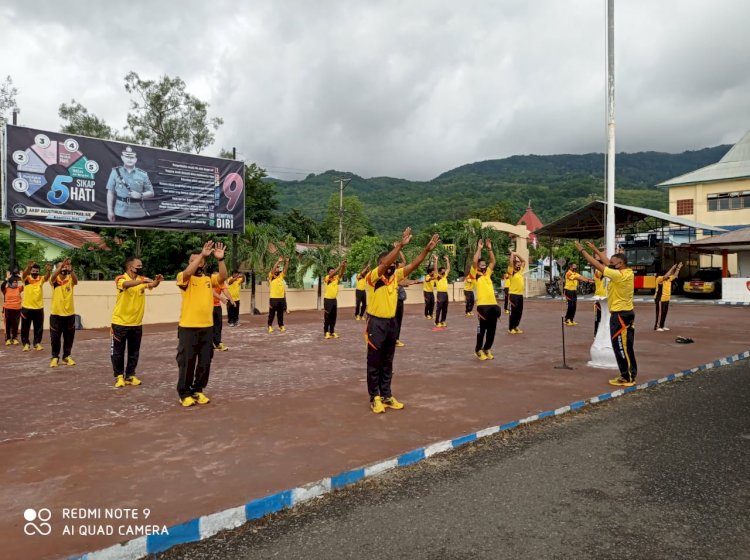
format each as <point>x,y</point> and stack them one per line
<point>499,212</point>
<point>8,94</point>
<point>255,253</point>
<point>364,250</point>
<point>260,195</point>
<point>296,224</point>
<point>165,115</point>
<point>24,252</point>
<point>355,222</point>
<point>319,259</point>
<point>78,120</point>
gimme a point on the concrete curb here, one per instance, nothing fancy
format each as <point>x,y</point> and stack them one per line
<point>204,527</point>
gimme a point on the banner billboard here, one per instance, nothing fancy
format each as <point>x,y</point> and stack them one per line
<point>64,178</point>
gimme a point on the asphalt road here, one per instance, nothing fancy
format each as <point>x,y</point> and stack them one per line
<point>662,473</point>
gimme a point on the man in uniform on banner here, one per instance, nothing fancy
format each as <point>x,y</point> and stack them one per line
<point>127,189</point>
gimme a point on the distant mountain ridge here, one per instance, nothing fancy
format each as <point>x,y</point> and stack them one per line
<point>555,184</point>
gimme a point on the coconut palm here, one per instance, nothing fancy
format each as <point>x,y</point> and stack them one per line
<point>319,259</point>
<point>255,251</point>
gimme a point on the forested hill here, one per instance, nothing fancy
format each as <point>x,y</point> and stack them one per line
<point>555,184</point>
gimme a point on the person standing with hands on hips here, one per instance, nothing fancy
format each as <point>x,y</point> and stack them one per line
<point>195,348</point>
<point>620,302</point>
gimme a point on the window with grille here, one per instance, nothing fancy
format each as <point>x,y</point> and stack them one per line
<point>726,201</point>
<point>685,207</point>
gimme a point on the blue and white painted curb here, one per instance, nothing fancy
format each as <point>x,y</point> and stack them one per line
<point>204,527</point>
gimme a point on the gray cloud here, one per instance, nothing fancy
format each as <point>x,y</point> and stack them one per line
<point>407,89</point>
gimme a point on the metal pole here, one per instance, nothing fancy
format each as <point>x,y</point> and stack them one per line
<point>12,234</point>
<point>235,243</point>
<point>610,128</point>
<point>341,210</point>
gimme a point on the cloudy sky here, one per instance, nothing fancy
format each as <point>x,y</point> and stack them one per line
<point>404,88</point>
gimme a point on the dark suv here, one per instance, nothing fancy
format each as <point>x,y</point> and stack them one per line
<point>705,282</point>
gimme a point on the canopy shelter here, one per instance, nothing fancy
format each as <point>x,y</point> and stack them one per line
<point>588,222</point>
<point>737,241</point>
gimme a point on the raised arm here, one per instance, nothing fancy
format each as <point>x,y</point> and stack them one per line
<point>26,270</point>
<point>409,268</point>
<point>195,264</point>
<point>390,258</point>
<point>447,265</point>
<point>219,254</point>
<point>600,266</point>
<point>596,251</point>
<point>478,254</point>
<point>493,261</point>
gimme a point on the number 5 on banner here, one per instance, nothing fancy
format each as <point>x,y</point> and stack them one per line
<point>233,188</point>
<point>59,193</point>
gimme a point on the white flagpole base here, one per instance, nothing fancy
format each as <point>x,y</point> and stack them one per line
<point>602,355</point>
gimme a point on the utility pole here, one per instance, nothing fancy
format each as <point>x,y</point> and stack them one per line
<point>342,185</point>
<point>12,232</point>
<point>235,244</point>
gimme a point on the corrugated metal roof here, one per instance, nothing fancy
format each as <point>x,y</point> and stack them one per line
<point>62,236</point>
<point>728,240</point>
<point>734,165</point>
<point>588,222</point>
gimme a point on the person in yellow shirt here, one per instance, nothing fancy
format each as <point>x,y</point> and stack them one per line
<point>360,294</point>
<point>32,312</point>
<point>663,295</point>
<point>488,311</point>
<point>382,300</point>
<point>221,295</point>
<point>234,285</point>
<point>62,320</point>
<point>428,290</point>
<point>441,284</point>
<point>469,285</point>
<point>516,287</point>
<point>127,320</point>
<point>599,292</point>
<point>620,303</point>
<point>330,303</point>
<point>571,292</point>
<point>12,289</point>
<point>277,295</point>
<point>195,348</point>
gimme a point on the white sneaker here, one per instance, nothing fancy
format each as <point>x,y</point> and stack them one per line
<point>659,330</point>
<point>665,329</point>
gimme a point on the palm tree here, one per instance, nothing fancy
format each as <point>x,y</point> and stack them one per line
<point>255,252</point>
<point>319,259</point>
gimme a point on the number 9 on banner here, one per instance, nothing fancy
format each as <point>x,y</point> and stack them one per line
<point>233,188</point>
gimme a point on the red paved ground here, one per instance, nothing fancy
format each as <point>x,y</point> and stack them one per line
<point>287,409</point>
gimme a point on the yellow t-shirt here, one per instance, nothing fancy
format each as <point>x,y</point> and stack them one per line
<point>470,281</point>
<point>362,282</point>
<point>442,283</point>
<point>620,292</point>
<point>234,289</point>
<point>197,309</point>
<point>600,290</point>
<point>571,280</point>
<point>485,289</point>
<point>62,297</point>
<point>33,293</point>
<point>382,293</point>
<point>332,286</point>
<point>515,281</point>
<point>663,288</point>
<point>429,283</point>
<point>130,304</point>
<point>277,286</point>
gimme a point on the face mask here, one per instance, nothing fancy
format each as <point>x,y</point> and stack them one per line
<point>34,274</point>
<point>139,270</point>
<point>64,273</point>
<point>390,270</point>
<point>483,269</point>
<point>199,271</point>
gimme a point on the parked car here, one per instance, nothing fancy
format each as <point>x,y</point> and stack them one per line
<point>705,282</point>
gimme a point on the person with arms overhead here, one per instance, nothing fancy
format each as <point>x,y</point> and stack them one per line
<point>360,294</point>
<point>32,312</point>
<point>571,293</point>
<point>330,302</point>
<point>620,302</point>
<point>382,298</point>
<point>234,285</point>
<point>277,295</point>
<point>428,290</point>
<point>488,311</point>
<point>441,283</point>
<point>195,348</point>
<point>62,320</point>
<point>127,320</point>
<point>469,285</point>
<point>516,287</point>
<point>663,295</point>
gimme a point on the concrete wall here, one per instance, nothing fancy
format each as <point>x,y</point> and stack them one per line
<point>735,289</point>
<point>95,301</point>
<point>699,194</point>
